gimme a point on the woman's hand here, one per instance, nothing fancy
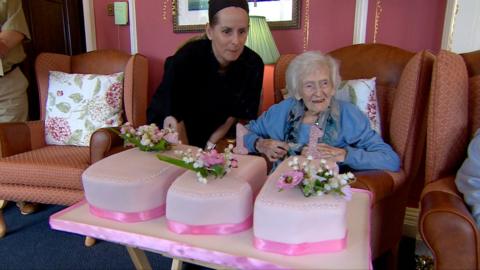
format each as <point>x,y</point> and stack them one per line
<point>273,149</point>
<point>326,151</point>
<point>220,132</point>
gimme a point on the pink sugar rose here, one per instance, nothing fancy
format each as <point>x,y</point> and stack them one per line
<point>212,158</point>
<point>290,179</point>
<point>234,163</point>
<point>171,137</point>
<point>127,128</point>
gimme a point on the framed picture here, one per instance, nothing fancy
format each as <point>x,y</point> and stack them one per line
<point>192,15</point>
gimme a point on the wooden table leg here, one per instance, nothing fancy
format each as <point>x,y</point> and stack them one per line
<point>3,226</point>
<point>89,241</point>
<point>3,203</point>
<point>176,264</point>
<point>139,258</point>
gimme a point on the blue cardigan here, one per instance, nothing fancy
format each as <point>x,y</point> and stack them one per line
<point>468,178</point>
<point>366,150</point>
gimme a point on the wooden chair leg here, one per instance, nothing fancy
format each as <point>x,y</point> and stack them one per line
<point>3,203</point>
<point>26,208</point>
<point>3,226</point>
<point>89,241</point>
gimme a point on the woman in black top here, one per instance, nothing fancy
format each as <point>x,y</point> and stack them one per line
<point>210,83</point>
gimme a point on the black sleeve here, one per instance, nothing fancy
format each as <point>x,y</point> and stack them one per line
<point>164,99</point>
<point>248,105</point>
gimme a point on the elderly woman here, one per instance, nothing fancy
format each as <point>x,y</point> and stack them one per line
<point>210,83</point>
<point>345,133</point>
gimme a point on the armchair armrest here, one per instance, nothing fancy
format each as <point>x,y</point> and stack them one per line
<point>380,183</point>
<point>443,210</point>
<point>19,137</point>
<point>103,143</point>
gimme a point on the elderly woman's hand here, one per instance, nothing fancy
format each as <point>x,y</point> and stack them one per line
<point>273,149</point>
<point>328,152</point>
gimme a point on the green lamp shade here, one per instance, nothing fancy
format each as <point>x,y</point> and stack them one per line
<point>261,41</point>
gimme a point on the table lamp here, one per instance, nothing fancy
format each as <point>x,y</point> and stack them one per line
<point>261,41</point>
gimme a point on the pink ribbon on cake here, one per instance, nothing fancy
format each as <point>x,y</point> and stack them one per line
<point>300,249</point>
<point>228,228</point>
<point>128,217</point>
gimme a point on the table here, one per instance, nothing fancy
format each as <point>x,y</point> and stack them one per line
<point>219,251</point>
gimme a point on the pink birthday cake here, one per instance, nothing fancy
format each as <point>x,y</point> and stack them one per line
<point>130,186</point>
<point>289,223</point>
<point>219,206</point>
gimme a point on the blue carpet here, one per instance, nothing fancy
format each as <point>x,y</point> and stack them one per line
<point>31,244</point>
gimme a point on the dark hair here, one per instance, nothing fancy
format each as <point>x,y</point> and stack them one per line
<point>214,6</point>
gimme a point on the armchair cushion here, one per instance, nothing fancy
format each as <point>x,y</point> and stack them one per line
<point>362,93</point>
<point>50,166</point>
<point>78,104</point>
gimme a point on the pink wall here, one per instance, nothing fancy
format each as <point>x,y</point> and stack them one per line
<point>331,27</point>
<point>155,36</point>
<point>410,24</point>
<point>109,35</point>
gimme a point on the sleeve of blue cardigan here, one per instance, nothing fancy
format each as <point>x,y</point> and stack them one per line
<point>468,178</point>
<point>270,125</point>
<point>365,148</point>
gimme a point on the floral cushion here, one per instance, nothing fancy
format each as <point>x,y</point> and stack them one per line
<point>79,104</point>
<point>362,92</point>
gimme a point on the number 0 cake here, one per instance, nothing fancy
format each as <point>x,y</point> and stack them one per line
<point>130,186</point>
<point>219,206</point>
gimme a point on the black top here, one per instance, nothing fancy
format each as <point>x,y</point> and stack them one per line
<point>194,91</point>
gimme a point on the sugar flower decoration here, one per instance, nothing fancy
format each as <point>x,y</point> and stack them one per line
<point>315,180</point>
<point>148,137</point>
<point>204,163</point>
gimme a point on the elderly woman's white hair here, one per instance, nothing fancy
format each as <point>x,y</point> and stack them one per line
<point>304,64</point>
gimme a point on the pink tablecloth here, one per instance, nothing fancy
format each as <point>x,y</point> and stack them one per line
<point>234,250</point>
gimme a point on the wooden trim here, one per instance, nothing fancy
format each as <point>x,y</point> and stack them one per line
<point>360,24</point>
<point>89,23</point>
<point>133,27</point>
<point>448,24</point>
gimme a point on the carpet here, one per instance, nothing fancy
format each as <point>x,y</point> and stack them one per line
<point>31,244</point>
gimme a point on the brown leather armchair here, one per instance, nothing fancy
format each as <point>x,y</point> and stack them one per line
<point>33,171</point>
<point>403,81</point>
<point>446,225</point>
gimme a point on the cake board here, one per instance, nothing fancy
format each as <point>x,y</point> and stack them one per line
<point>235,251</point>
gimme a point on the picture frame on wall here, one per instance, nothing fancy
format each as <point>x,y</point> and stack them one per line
<point>192,15</point>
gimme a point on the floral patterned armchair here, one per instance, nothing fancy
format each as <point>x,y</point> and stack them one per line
<point>35,171</point>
